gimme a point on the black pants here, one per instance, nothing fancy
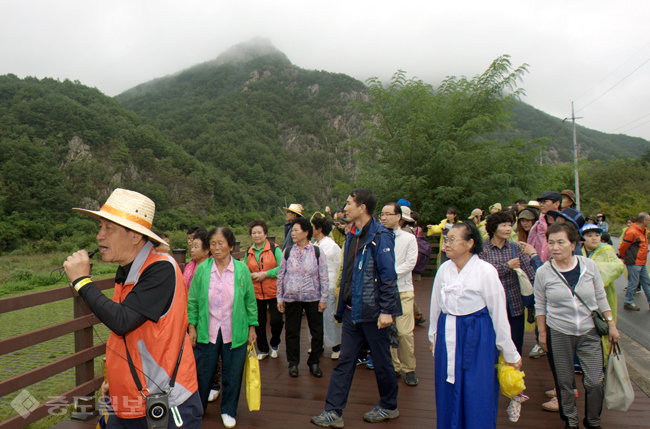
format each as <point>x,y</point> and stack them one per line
<point>293,319</point>
<point>354,336</point>
<point>276,324</point>
<point>517,328</point>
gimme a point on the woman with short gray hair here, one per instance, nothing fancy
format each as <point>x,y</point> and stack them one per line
<point>566,327</point>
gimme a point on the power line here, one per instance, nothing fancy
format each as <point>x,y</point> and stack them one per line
<point>623,126</point>
<point>617,83</point>
<point>615,70</point>
<point>635,127</point>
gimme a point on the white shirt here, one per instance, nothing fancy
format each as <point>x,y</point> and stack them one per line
<point>332,252</point>
<point>459,294</point>
<point>406,255</point>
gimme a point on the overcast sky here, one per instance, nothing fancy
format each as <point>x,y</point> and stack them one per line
<point>576,50</point>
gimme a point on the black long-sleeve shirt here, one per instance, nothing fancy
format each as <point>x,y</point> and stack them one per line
<point>149,299</point>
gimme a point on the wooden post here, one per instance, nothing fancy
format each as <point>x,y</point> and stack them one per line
<point>83,339</point>
<point>179,256</point>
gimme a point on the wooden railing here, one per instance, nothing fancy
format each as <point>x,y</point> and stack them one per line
<point>82,360</point>
<point>434,240</point>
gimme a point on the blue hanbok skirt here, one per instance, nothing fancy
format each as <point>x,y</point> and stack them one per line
<point>472,401</point>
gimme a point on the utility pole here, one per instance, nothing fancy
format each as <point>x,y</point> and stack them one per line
<point>575,158</point>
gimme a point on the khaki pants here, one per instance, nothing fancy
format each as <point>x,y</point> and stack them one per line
<point>403,358</point>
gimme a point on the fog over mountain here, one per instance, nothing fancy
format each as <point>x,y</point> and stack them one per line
<point>590,52</point>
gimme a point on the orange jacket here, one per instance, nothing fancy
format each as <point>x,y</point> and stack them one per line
<point>154,347</point>
<point>267,289</point>
<point>634,246</point>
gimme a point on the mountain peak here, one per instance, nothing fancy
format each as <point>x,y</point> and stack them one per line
<point>246,51</point>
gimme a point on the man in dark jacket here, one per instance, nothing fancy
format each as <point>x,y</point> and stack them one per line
<point>368,302</point>
<point>292,212</point>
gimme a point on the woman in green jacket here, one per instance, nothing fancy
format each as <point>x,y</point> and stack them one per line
<point>222,315</point>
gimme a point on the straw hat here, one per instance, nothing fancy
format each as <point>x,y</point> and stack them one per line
<point>533,203</point>
<point>130,209</point>
<point>295,208</point>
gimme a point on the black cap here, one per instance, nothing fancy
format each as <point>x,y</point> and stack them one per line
<point>550,195</point>
<point>570,214</point>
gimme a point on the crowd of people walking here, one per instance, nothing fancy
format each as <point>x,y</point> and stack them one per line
<point>350,273</point>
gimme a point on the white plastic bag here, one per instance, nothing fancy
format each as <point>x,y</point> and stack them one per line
<point>619,393</point>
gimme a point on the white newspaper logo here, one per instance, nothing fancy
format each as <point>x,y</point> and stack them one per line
<point>24,403</point>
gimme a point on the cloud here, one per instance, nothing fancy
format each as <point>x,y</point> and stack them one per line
<point>576,50</point>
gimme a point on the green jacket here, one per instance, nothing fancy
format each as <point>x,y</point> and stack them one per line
<point>244,311</point>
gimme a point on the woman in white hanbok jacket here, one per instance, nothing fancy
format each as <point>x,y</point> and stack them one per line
<point>332,330</point>
<point>469,326</point>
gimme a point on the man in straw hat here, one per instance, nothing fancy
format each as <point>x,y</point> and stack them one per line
<point>147,316</point>
<point>292,212</point>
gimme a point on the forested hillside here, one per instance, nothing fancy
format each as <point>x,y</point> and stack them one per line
<point>64,145</point>
<point>530,123</point>
<point>275,132</point>
<point>235,138</point>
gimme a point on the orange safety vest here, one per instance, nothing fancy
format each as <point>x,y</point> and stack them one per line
<point>267,289</point>
<point>154,347</point>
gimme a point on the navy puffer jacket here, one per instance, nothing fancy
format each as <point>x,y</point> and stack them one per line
<point>374,280</point>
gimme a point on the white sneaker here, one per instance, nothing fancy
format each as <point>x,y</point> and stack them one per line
<point>214,394</point>
<point>261,356</point>
<point>536,352</point>
<point>228,421</point>
<point>335,355</point>
<point>552,405</point>
<point>274,353</point>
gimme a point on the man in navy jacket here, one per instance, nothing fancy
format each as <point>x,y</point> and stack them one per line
<point>368,302</point>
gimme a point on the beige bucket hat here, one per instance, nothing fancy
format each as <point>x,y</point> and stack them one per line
<point>295,208</point>
<point>475,213</point>
<point>406,214</point>
<point>130,209</point>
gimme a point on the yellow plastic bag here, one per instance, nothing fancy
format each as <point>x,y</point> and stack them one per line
<point>510,380</point>
<point>253,379</point>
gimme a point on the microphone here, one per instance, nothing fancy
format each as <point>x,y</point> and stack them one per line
<point>61,270</point>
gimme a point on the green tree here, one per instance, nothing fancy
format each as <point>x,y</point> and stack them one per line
<point>427,144</point>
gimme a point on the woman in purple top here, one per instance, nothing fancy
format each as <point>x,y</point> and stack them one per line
<point>303,285</point>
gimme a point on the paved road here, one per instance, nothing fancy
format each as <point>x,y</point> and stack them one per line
<point>635,324</point>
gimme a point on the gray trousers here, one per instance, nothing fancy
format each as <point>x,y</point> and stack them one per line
<point>589,350</point>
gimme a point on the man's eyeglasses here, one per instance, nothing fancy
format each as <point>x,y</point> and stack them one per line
<point>387,214</point>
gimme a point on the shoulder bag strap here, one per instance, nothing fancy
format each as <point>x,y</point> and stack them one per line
<point>132,368</point>
<point>569,286</point>
<point>134,374</point>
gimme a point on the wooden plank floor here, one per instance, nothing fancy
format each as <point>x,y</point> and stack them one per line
<point>290,402</point>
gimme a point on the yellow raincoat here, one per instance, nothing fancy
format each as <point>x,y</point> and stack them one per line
<point>437,229</point>
<point>611,268</point>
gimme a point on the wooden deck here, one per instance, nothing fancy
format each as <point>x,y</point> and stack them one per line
<point>290,402</point>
